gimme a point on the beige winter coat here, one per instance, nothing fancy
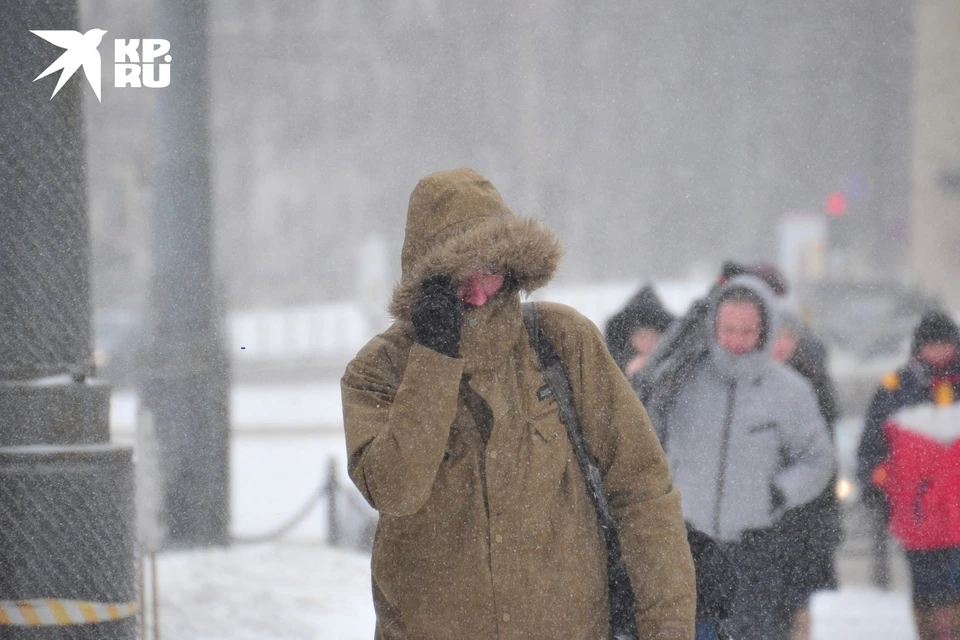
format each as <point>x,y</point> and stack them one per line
<point>499,539</point>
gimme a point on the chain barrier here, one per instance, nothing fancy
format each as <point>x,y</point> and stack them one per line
<point>336,496</point>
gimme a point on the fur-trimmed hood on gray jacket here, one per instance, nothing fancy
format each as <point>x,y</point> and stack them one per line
<point>745,439</point>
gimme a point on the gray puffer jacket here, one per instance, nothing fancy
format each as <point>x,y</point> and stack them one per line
<point>745,439</point>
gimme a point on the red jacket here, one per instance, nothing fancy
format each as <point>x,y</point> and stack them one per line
<point>921,475</point>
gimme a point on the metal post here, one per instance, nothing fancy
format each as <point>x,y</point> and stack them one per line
<point>143,596</point>
<point>333,520</point>
<point>154,596</point>
<point>66,494</point>
<point>880,552</point>
<point>185,383</point>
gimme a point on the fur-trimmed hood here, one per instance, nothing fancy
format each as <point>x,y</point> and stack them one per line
<point>458,222</point>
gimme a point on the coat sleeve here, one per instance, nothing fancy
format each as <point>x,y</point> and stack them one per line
<point>818,374</point>
<point>807,449</point>
<point>397,424</point>
<point>872,449</point>
<point>827,400</point>
<point>642,496</point>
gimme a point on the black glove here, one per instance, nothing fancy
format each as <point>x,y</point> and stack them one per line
<point>437,316</point>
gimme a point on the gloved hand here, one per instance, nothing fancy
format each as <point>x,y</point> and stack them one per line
<point>438,315</point>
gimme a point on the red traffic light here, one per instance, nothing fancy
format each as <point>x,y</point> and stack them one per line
<point>836,204</point>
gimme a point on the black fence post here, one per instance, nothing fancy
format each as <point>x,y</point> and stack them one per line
<point>334,535</point>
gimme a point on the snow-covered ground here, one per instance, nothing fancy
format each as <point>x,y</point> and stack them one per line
<point>285,591</point>
<point>862,614</point>
<point>299,588</point>
<point>297,591</point>
<point>301,591</point>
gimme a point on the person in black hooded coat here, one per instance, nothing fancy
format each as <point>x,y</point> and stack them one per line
<point>812,533</point>
<point>634,331</point>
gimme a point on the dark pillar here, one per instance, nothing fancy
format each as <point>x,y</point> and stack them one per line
<point>66,494</point>
<point>185,384</point>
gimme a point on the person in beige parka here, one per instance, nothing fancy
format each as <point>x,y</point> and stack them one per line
<point>486,529</point>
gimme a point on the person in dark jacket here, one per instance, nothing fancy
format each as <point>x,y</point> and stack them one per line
<point>717,583</point>
<point>633,332</point>
<point>811,533</point>
<point>910,451</point>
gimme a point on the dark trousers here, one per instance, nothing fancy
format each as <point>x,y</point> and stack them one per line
<point>935,576</point>
<point>760,608</point>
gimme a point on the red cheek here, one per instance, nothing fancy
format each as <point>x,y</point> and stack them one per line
<point>491,283</point>
<point>479,287</point>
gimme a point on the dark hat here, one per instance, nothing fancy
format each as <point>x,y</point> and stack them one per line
<point>935,326</point>
<point>772,275</point>
<point>644,311</point>
<point>729,270</point>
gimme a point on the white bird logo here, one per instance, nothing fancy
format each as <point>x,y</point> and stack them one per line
<point>81,50</point>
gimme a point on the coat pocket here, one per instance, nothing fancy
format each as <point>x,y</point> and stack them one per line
<point>464,436</point>
<point>763,426</point>
<point>549,446</point>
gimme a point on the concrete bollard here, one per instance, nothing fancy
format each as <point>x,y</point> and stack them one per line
<point>67,543</point>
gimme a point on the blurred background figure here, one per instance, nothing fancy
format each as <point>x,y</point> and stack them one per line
<point>909,466</point>
<point>812,532</point>
<point>634,332</point>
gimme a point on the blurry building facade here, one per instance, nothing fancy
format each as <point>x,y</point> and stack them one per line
<point>936,148</point>
<point>652,136</point>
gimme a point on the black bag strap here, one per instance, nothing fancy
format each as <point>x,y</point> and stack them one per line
<point>622,604</point>
<point>558,379</point>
